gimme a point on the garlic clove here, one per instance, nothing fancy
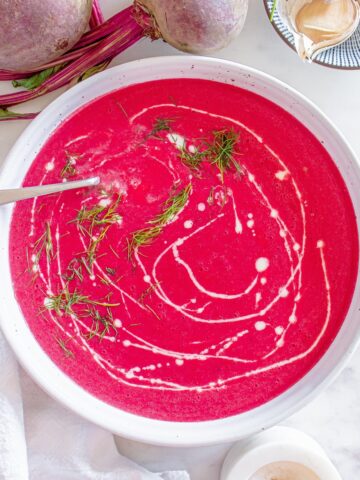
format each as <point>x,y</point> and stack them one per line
<point>319,24</point>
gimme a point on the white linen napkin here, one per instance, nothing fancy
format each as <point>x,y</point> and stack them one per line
<point>41,440</point>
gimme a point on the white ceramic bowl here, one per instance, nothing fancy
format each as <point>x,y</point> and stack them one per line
<point>61,387</point>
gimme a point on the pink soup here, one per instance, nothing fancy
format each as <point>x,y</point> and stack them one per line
<point>211,268</point>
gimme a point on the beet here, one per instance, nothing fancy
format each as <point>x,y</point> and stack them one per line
<point>197,26</point>
<point>34,32</point>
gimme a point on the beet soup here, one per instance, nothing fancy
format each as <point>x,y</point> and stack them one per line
<point>211,268</point>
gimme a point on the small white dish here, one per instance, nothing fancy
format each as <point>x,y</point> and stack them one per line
<point>281,453</point>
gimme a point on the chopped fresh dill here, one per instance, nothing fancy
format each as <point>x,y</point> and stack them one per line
<point>69,169</point>
<point>42,315</point>
<point>161,125</point>
<point>64,301</point>
<point>141,238</point>
<point>210,199</point>
<point>114,252</point>
<point>40,207</point>
<point>103,280</point>
<point>101,324</point>
<point>74,269</point>
<point>89,220</point>
<point>44,244</point>
<point>191,160</point>
<point>94,246</point>
<point>219,151</point>
<point>148,292</point>
<point>20,274</point>
<point>94,330</point>
<point>172,100</point>
<point>171,208</point>
<point>222,197</point>
<point>97,216</point>
<point>110,271</point>
<point>85,264</point>
<point>122,109</point>
<point>62,344</point>
<point>49,249</point>
<point>108,296</point>
<point>151,310</point>
<point>28,260</point>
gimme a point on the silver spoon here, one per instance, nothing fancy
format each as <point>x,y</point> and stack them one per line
<point>15,194</point>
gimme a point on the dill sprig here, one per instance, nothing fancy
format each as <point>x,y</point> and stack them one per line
<point>44,244</point>
<point>64,301</point>
<point>98,215</point>
<point>171,208</point>
<point>114,252</point>
<point>101,324</point>
<point>192,160</point>
<point>62,344</point>
<point>122,109</point>
<point>94,246</point>
<point>74,269</point>
<point>103,280</point>
<point>211,197</point>
<point>69,169</point>
<point>221,151</point>
<point>110,271</point>
<point>85,264</point>
<point>89,220</point>
<point>151,310</point>
<point>148,292</point>
<point>160,125</point>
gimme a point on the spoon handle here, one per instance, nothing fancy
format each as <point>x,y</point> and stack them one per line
<point>16,194</point>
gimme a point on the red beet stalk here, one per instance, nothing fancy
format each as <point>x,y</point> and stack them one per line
<point>97,17</point>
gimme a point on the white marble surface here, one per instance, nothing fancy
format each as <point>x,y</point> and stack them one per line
<point>334,417</point>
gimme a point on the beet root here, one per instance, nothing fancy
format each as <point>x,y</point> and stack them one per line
<point>196,26</point>
<point>34,32</point>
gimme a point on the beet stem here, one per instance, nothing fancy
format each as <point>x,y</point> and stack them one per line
<point>106,28</point>
<point>6,115</point>
<point>8,75</point>
<point>97,17</point>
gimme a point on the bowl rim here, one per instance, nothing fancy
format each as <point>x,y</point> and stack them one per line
<point>58,385</point>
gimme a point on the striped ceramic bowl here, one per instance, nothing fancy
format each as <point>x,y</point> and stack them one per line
<point>344,56</point>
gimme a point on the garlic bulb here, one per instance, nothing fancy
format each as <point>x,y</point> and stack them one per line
<point>319,24</point>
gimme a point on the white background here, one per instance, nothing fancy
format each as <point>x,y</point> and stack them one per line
<point>334,417</point>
